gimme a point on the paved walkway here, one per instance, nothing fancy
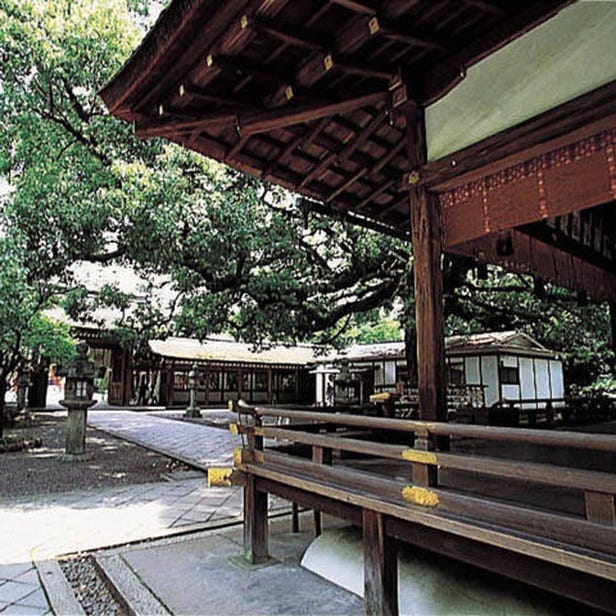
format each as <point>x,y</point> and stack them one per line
<point>35,529</point>
<point>199,445</point>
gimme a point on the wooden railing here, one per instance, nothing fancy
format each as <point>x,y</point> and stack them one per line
<point>564,517</point>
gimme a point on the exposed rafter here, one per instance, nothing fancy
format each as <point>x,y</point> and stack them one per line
<point>258,122</point>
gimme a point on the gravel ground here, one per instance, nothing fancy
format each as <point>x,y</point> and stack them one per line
<point>88,586</point>
<point>112,462</point>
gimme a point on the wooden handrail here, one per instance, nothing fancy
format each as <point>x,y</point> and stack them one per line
<point>547,474</point>
<point>592,442</point>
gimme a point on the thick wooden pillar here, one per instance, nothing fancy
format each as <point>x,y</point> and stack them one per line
<point>428,277</point>
<point>255,522</point>
<point>380,567</point>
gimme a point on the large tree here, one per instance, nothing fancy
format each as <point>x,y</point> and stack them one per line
<point>229,253</point>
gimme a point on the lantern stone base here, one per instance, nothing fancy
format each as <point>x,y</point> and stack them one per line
<point>75,439</point>
<point>193,412</point>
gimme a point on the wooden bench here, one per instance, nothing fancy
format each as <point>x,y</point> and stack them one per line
<point>543,546</point>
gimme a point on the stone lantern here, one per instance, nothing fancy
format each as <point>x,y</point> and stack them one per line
<point>78,392</point>
<point>346,387</point>
<point>193,383</point>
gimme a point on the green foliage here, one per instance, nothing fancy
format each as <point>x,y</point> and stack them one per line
<point>378,327</point>
<point>221,251</point>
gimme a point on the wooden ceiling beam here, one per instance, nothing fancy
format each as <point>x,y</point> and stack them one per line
<point>558,239</point>
<point>486,7</point>
<point>354,5</point>
<point>376,193</point>
<point>366,171</point>
<point>251,123</point>
<point>157,127</point>
<point>288,35</point>
<point>279,118</point>
<point>192,92</point>
<point>303,139</point>
<point>347,150</point>
<point>241,142</point>
<point>366,70</point>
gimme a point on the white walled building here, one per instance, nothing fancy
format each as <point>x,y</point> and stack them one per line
<point>507,366</point>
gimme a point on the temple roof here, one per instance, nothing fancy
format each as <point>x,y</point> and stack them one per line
<point>509,342</point>
<point>222,350</point>
<point>308,94</point>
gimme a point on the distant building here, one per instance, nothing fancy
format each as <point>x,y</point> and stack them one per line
<point>505,366</point>
<point>229,370</point>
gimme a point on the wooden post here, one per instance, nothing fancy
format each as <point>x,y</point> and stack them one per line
<point>380,566</point>
<point>600,508</point>
<point>269,385</point>
<point>255,502</point>
<point>320,455</point>
<point>206,394</point>
<point>255,522</point>
<point>423,474</point>
<point>294,518</point>
<point>428,278</point>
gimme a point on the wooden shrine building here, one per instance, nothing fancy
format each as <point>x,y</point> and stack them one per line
<point>229,370</point>
<point>484,128</point>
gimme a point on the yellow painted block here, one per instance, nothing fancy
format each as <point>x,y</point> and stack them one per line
<point>219,477</point>
<point>420,496</point>
<point>417,455</point>
<point>237,456</point>
<point>259,456</point>
<point>233,429</point>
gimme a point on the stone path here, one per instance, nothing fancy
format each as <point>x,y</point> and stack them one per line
<point>199,445</point>
<point>21,591</point>
<point>35,529</point>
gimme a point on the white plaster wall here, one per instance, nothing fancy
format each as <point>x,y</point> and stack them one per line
<point>558,381</point>
<point>471,371</point>
<point>542,377</point>
<point>527,380</point>
<point>569,55</point>
<point>319,388</point>
<point>390,372</point>
<point>489,375</point>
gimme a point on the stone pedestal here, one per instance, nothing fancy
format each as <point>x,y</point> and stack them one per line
<point>193,409</point>
<point>75,439</point>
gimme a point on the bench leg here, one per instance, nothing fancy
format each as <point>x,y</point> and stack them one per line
<point>255,523</point>
<point>380,567</point>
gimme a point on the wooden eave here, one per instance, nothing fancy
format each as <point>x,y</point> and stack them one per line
<point>309,95</point>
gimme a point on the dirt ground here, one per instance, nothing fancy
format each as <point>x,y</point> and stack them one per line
<point>112,462</point>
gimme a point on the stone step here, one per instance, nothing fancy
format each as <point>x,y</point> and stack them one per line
<point>127,588</point>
